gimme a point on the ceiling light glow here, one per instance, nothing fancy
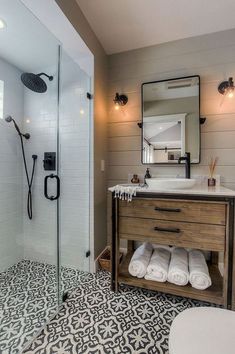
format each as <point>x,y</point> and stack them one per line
<point>2,24</point>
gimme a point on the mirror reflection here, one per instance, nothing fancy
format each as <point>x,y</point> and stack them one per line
<point>171,120</point>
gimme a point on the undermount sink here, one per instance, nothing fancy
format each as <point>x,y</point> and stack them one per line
<point>170,183</point>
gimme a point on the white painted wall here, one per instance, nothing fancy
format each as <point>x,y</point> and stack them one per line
<point>11,250</point>
<point>211,57</point>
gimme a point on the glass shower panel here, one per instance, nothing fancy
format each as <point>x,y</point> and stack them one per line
<point>74,138</point>
<point>28,246</point>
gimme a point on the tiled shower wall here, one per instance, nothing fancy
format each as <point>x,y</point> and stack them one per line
<point>40,233</point>
<point>40,120</point>
<point>11,237</point>
<point>74,165</point>
<point>211,57</point>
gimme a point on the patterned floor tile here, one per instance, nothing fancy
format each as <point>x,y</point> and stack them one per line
<point>96,320</point>
<point>28,298</point>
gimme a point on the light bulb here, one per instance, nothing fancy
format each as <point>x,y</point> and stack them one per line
<point>116,106</point>
<point>81,111</point>
<point>229,92</point>
<point>2,24</point>
<point>27,120</point>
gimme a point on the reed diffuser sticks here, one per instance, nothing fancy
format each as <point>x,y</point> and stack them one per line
<point>212,165</point>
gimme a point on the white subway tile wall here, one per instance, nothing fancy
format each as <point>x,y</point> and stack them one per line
<point>40,121</point>
<point>74,165</point>
<point>11,170</point>
<point>36,239</point>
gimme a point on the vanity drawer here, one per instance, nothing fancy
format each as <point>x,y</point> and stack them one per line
<point>187,211</point>
<point>192,235</point>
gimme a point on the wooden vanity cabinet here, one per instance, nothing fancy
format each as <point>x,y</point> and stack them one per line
<point>184,221</point>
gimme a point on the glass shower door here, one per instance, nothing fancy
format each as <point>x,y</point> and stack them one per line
<point>28,246</point>
<point>74,161</point>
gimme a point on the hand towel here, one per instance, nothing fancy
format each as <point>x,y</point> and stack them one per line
<point>157,269</point>
<point>140,260</point>
<point>178,272</point>
<point>199,276</point>
<point>124,192</point>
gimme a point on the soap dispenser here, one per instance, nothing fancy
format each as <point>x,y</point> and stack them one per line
<point>147,174</point>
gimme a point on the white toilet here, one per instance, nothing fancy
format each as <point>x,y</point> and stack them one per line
<point>203,330</point>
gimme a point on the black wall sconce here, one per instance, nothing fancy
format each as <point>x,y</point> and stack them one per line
<point>120,100</point>
<point>226,87</point>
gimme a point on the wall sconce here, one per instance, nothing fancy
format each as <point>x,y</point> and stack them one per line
<point>226,87</point>
<point>120,100</point>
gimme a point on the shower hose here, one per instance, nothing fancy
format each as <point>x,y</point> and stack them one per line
<point>29,180</point>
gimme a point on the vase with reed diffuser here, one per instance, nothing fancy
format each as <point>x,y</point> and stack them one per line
<point>212,165</point>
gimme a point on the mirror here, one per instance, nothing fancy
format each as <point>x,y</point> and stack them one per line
<point>171,120</point>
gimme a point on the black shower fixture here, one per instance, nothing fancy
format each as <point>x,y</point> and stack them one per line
<point>226,87</point>
<point>9,119</point>
<point>29,178</point>
<point>34,82</point>
<point>120,100</point>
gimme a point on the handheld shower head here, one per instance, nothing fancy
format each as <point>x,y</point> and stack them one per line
<point>9,119</point>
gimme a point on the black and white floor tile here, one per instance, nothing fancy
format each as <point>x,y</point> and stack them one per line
<point>94,320</point>
<point>28,298</point>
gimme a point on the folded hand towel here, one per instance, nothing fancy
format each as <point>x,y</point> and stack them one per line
<point>124,192</point>
<point>178,269</point>
<point>198,270</point>
<point>159,263</point>
<point>140,260</point>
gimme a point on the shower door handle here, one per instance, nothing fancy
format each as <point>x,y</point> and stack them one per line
<point>57,185</point>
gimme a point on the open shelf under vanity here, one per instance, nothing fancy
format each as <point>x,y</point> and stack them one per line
<point>205,223</point>
<point>213,294</point>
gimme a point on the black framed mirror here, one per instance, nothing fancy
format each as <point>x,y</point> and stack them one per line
<point>171,120</point>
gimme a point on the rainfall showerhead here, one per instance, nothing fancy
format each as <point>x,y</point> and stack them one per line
<point>34,82</point>
<point>9,119</point>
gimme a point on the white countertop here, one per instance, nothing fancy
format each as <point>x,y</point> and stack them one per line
<point>198,189</point>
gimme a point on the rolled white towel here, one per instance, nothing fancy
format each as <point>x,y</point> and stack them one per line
<point>199,276</point>
<point>178,272</point>
<point>157,269</point>
<point>140,260</point>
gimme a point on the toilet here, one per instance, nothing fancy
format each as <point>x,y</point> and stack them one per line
<point>203,330</point>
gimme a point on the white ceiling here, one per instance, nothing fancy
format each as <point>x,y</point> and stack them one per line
<point>129,24</point>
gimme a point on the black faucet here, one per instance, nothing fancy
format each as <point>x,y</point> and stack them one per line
<point>186,158</point>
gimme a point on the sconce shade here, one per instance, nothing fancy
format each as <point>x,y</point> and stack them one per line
<point>226,87</point>
<point>120,100</point>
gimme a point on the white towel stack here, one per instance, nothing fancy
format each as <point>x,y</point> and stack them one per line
<point>174,264</point>
<point>159,263</point>
<point>178,269</point>
<point>198,270</point>
<point>140,260</point>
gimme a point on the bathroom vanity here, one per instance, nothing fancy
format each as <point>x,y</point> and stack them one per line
<point>200,218</point>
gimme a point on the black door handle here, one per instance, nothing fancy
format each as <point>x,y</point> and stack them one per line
<point>172,210</point>
<point>162,229</point>
<point>57,187</point>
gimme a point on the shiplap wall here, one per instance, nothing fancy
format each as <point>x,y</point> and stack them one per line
<point>210,56</point>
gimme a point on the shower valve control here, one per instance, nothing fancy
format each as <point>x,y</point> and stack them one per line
<point>49,162</point>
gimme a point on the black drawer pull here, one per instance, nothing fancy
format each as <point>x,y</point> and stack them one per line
<point>176,210</point>
<point>174,230</point>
